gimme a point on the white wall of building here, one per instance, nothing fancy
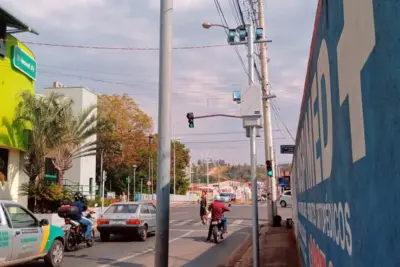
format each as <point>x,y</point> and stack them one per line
<point>16,176</point>
<point>82,168</point>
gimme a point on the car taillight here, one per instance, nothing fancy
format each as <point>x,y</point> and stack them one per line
<point>133,221</point>
<point>102,221</point>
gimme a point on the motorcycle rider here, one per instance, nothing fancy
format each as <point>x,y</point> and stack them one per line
<point>217,209</point>
<point>79,203</point>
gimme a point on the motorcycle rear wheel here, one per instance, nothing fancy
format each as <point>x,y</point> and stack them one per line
<point>70,241</point>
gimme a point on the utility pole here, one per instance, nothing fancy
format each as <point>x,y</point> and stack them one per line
<point>129,180</point>
<point>101,181</point>
<point>134,182</point>
<point>149,178</point>
<point>253,156</point>
<point>164,147</point>
<point>267,115</point>
<point>152,178</point>
<point>190,178</point>
<point>208,176</point>
<point>174,167</point>
<point>102,192</point>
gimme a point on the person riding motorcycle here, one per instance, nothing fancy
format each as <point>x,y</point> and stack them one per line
<point>80,204</point>
<point>217,209</point>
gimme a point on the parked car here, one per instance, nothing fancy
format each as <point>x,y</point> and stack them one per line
<point>233,197</point>
<point>24,238</point>
<point>225,197</point>
<point>286,199</point>
<point>135,219</point>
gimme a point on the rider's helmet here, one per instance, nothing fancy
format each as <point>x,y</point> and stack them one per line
<point>217,198</point>
<point>78,196</point>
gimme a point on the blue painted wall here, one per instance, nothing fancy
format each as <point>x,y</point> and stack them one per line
<point>346,174</point>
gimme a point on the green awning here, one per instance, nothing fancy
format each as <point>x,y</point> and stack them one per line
<point>13,22</point>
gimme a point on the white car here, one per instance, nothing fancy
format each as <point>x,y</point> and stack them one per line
<point>286,199</point>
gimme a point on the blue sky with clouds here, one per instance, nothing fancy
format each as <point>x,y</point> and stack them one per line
<point>203,78</point>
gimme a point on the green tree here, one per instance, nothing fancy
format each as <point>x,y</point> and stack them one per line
<point>182,162</point>
<point>77,130</point>
<point>43,115</point>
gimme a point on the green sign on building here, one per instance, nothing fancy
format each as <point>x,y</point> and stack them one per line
<point>24,63</point>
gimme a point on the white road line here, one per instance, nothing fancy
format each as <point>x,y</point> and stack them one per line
<point>236,223</point>
<point>172,221</point>
<point>179,212</point>
<point>184,222</point>
<point>198,223</point>
<point>182,230</point>
<point>141,253</point>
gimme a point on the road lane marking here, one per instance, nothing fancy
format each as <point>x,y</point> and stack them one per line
<point>179,212</point>
<point>236,222</point>
<point>172,221</point>
<point>184,222</point>
<point>183,230</point>
<point>198,223</point>
<point>141,253</point>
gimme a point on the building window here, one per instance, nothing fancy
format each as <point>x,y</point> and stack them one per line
<point>4,164</point>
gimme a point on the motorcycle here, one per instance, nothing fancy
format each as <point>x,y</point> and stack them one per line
<point>74,232</point>
<point>217,230</point>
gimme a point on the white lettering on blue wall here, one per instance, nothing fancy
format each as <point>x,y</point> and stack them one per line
<point>359,44</point>
<point>326,145</point>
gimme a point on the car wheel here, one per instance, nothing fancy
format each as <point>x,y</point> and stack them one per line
<point>143,233</point>
<point>55,256</point>
<point>283,204</point>
<point>104,237</point>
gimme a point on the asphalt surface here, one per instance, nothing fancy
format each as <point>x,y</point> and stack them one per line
<point>187,242</point>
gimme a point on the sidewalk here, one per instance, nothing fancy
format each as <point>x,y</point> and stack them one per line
<point>277,248</point>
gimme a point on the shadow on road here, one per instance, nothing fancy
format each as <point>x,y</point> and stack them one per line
<point>219,253</point>
<point>104,261</point>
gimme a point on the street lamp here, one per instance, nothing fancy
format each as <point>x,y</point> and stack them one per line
<point>134,183</point>
<point>207,25</point>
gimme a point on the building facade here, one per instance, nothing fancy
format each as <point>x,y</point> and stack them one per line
<point>17,74</point>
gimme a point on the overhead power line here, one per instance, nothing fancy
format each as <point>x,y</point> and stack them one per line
<point>122,48</point>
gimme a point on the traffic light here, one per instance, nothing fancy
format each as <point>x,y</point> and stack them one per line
<point>269,168</point>
<point>190,117</point>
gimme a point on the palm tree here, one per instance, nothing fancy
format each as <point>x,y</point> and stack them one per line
<point>43,115</point>
<point>74,143</point>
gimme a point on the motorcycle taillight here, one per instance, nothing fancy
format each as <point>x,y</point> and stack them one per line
<point>67,221</point>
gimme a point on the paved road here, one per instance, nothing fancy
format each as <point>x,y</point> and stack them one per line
<point>187,242</point>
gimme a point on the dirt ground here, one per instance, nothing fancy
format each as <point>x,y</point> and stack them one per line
<point>277,248</point>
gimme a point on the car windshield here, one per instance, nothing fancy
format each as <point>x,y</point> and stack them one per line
<point>223,195</point>
<point>122,208</point>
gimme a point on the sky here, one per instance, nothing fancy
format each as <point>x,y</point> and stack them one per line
<point>203,77</point>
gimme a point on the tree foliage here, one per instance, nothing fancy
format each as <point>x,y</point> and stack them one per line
<point>75,143</point>
<point>128,145</point>
<point>44,115</point>
<point>131,127</point>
